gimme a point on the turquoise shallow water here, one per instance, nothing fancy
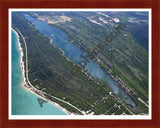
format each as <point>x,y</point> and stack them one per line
<point>25,102</point>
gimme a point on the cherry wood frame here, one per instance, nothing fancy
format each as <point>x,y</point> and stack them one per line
<point>4,71</point>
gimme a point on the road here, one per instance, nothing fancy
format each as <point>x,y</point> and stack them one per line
<point>27,80</point>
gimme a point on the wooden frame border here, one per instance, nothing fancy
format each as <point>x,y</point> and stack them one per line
<point>4,51</point>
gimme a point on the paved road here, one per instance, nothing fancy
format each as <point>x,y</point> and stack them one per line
<point>27,80</point>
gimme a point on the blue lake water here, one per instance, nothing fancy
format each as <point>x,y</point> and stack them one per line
<point>59,39</point>
<point>23,101</point>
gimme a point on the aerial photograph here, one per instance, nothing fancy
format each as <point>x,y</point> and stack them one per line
<point>79,62</point>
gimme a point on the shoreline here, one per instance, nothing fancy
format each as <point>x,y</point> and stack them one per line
<point>31,88</point>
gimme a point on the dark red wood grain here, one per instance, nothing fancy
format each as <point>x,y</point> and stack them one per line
<point>4,40</point>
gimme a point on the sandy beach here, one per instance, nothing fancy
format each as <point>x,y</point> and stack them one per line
<point>31,88</point>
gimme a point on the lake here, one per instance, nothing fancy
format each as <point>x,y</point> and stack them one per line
<point>74,53</point>
<point>25,102</point>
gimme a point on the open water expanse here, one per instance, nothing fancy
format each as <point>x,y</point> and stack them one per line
<point>74,53</point>
<point>25,102</point>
